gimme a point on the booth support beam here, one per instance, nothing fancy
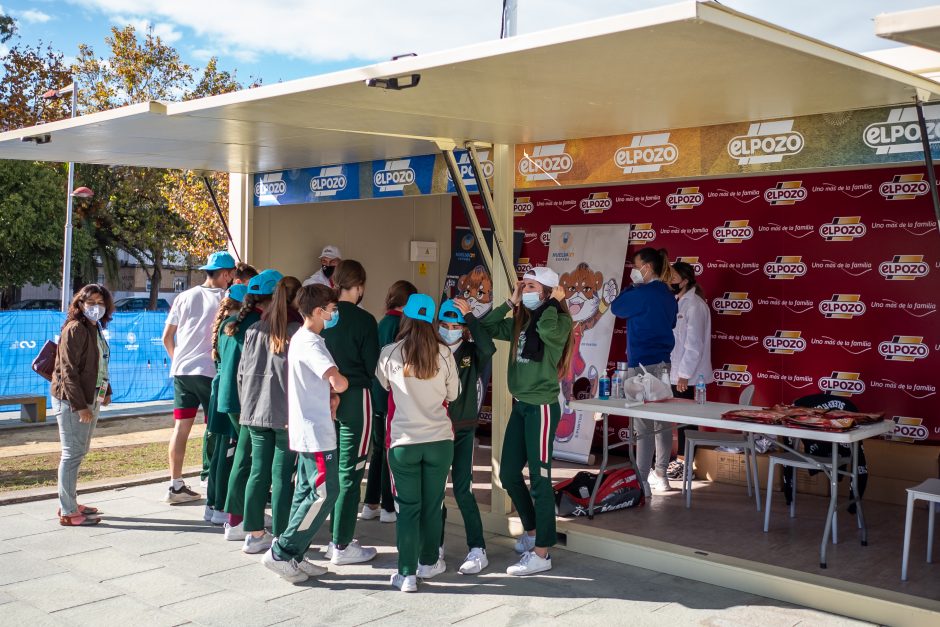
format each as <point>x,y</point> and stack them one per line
<point>928,160</point>
<point>499,242</point>
<point>240,213</point>
<point>467,204</point>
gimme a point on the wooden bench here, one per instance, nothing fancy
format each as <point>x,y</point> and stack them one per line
<point>33,408</point>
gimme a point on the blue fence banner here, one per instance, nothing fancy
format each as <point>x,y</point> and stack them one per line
<point>139,366</point>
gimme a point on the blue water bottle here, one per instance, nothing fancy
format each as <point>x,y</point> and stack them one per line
<point>603,387</point>
<point>700,390</point>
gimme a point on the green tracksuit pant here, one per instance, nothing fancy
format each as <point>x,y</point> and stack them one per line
<point>241,468</point>
<point>272,468</point>
<point>378,484</point>
<point>419,476</point>
<point>220,470</point>
<point>461,473</point>
<point>317,487</point>
<point>529,439</point>
<point>353,431</point>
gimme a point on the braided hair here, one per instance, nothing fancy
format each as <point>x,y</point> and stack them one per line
<point>226,307</point>
<point>250,304</point>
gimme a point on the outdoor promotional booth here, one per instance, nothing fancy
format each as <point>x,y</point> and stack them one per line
<point>790,174</point>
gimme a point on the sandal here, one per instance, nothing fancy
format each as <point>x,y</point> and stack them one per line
<point>78,520</point>
<point>82,509</point>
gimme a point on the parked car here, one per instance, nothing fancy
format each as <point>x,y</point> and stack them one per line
<point>140,304</point>
<point>37,303</point>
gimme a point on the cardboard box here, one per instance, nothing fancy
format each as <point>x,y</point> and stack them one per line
<point>899,460</point>
<point>724,467</point>
<point>818,484</point>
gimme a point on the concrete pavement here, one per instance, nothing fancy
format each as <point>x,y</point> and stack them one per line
<point>152,564</point>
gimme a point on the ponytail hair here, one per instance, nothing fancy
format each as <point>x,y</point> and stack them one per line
<point>659,259</point>
<point>250,303</point>
<point>277,315</point>
<point>226,307</point>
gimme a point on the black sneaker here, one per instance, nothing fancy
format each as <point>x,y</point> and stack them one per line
<point>675,470</point>
<point>183,494</point>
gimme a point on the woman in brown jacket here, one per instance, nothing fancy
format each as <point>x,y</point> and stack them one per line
<point>80,387</point>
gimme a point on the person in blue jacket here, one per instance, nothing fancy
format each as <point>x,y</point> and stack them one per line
<point>650,308</point>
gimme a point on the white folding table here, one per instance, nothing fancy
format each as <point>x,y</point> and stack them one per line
<point>709,415</point>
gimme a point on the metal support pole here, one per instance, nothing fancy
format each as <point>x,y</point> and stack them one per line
<point>483,188</point>
<point>67,247</point>
<point>510,21</point>
<point>928,159</point>
<point>467,205</point>
<point>218,210</point>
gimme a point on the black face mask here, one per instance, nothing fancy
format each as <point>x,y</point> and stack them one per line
<point>328,270</point>
<point>676,288</point>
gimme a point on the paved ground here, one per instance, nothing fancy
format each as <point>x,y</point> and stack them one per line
<point>151,564</point>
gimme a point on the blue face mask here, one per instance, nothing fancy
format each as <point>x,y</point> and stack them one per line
<point>329,324</point>
<point>450,336</point>
<point>532,300</point>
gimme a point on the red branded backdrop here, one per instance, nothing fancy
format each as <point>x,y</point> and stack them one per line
<point>816,282</point>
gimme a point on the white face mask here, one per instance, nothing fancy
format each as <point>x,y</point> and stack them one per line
<point>94,312</point>
<point>532,300</point>
<point>636,276</point>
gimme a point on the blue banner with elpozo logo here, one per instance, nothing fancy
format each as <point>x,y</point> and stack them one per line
<point>139,366</point>
<point>383,178</point>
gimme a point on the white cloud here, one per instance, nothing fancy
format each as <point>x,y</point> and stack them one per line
<point>31,16</point>
<point>164,30</point>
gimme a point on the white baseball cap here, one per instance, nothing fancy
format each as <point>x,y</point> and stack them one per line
<point>545,276</point>
<point>331,252</point>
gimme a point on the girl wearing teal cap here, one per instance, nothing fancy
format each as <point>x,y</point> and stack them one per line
<point>473,349</point>
<point>421,374</point>
<point>231,341</point>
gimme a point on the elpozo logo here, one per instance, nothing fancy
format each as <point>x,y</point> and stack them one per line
<point>523,266</point>
<point>841,383</point>
<point>646,153</point>
<point>271,185</point>
<point>522,206</point>
<point>904,187</point>
<point>395,176</point>
<point>904,268</point>
<point>785,267</point>
<point>733,232</point>
<point>598,202</point>
<point>900,133</point>
<point>908,429</point>
<point>785,193</point>
<point>843,229</point>
<point>785,343</point>
<point>685,198</point>
<point>545,237</point>
<point>904,348</point>
<point>766,142</point>
<point>842,306</point>
<point>697,266</point>
<point>641,233</point>
<point>329,182</point>
<point>733,376</point>
<point>733,304</point>
<point>545,163</point>
<point>465,167</point>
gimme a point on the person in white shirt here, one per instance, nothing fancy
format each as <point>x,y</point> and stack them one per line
<point>187,338</point>
<point>422,375</point>
<point>313,382</point>
<point>692,354</point>
<point>329,259</point>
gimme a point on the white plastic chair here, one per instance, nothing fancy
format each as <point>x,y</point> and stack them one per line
<point>928,491</point>
<point>710,439</point>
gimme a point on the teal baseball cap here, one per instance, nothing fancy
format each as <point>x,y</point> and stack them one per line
<point>264,283</point>
<point>450,313</point>
<point>420,307</point>
<point>238,292</point>
<point>219,261</point>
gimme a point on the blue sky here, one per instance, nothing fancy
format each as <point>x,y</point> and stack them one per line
<point>286,39</point>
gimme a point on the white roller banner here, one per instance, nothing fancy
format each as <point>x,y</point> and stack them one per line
<point>589,261</point>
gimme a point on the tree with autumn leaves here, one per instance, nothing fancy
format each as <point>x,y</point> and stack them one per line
<point>147,213</point>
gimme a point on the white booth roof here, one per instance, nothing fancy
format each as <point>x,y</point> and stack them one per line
<point>684,65</point>
<point>917,27</point>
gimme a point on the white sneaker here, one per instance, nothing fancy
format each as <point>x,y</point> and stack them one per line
<point>236,533</point>
<point>404,583</point>
<point>328,552</point>
<point>203,483</point>
<point>288,570</point>
<point>369,514</point>
<point>529,564</point>
<point>176,496</point>
<point>352,554</point>
<point>310,569</point>
<point>525,543</point>
<point>440,552</point>
<point>658,483</point>
<point>219,518</point>
<point>475,562</point>
<point>387,517</point>
<point>427,572</point>
<point>255,545</point>
<point>207,514</point>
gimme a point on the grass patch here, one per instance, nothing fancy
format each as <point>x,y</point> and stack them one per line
<point>37,471</point>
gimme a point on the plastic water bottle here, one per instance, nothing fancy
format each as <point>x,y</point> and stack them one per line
<point>664,377</point>
<point>603,387</point>
<point>700,390</point>
<point>616,385</point>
